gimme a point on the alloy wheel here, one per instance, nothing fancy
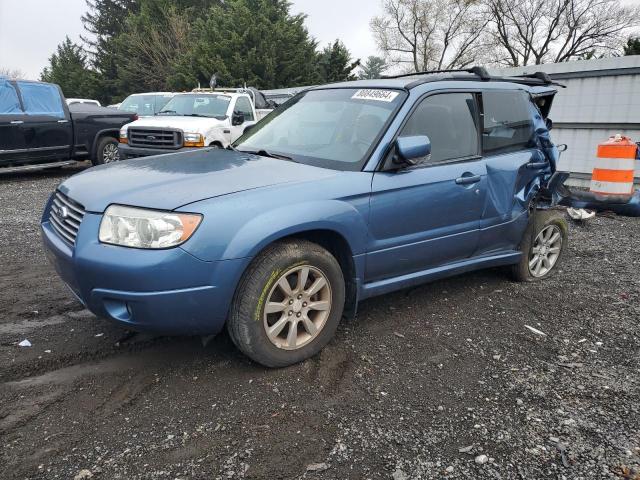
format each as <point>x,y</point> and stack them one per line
<point>297,307</point>
<point>545,251</point>
<point>110,153</point>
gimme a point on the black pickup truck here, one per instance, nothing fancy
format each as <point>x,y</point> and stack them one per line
<point>38,129</point>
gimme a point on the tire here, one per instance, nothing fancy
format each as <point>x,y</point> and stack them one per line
<point>105,153</point>
<point>548,225</point>
<point>260,287</point>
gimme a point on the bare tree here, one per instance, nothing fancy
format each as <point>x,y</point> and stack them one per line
<point>539,31</point>
<point>12,74</point>
<point>153,49</point>
<point>431,34</point>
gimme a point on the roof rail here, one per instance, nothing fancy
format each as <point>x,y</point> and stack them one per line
<point>533,79</point>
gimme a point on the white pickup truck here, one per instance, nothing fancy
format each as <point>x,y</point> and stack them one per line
<point>202,118</point>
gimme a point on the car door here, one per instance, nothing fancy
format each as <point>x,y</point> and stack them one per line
<point>12,143</point>
<point>515,166</point>
<point>243,106</point>
<point>429,215</point>
<point>47,128</point>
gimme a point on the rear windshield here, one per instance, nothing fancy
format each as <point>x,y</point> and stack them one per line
<point>196,105</point>
<point>335,128</point>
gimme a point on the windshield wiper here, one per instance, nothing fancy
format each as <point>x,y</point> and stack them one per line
<point>265,153</point>
<point>166,111</point>
<point>197,115</point>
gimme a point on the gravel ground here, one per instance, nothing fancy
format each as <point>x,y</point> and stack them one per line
<point>441,381</point>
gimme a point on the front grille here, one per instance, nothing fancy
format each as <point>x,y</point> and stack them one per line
<point>155,138</point>
<point>65,217</point>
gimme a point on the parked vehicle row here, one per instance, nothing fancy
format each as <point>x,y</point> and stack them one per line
<point>37,127</point>
<point>347,191</point>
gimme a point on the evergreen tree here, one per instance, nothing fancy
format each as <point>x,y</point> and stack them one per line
<point>154,40</point>
<point>335,65</point>
<point>257,42</point>
<point>633,46</point>
<point>372,68</point>
<point>68,68</point>
<point>105,21</point>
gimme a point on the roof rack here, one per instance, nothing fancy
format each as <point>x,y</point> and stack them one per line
<point>533,79</point>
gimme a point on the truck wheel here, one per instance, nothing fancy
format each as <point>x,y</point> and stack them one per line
<point>288,304</point>
<point>542,247</point>
<point>107,151</point>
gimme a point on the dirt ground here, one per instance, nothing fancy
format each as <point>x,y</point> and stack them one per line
<point>420,385</point>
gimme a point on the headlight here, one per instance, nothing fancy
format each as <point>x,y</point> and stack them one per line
<point>123,136</point>
<point>140,228</point>
<point>193,140</point>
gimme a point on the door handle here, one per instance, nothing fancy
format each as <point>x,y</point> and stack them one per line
<point>17,122</point>
<point>63,121</point>
<point>537,165</point>
<point>468,180</point>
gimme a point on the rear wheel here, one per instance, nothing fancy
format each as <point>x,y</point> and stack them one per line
<point>543,246</point>
<point>288,304</point>
<point>107,151</point>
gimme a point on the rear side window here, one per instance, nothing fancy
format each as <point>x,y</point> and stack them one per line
<point>41,99</point>
<point>508,126</point>
<point>9,103</point>
<point>450,122</point>
<point>244,105</point>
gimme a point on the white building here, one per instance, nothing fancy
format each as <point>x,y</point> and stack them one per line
<point>602,98</point>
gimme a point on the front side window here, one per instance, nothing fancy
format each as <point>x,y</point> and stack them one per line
<point>243,105</point>
<point>41,99</point>
<point>197,105</point>
<point>507,121</point>
<point>333,128</point>
<point>450,122</point>
<point>9,103</point>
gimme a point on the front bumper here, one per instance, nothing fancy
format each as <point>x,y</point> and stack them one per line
<point>164,291</point>
<point>127,151</point>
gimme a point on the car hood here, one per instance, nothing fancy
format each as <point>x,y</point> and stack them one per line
<point>167,182</point>
<point>186,124</point>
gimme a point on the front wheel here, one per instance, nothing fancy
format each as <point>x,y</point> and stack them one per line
<point>107,151</point>
<point>288,304</point>
<point>543,247</point>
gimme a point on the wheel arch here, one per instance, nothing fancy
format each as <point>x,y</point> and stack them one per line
<point>335,243</point>
<point>99,136</point>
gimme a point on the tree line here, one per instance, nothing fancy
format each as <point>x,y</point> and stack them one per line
<point>173,45</point>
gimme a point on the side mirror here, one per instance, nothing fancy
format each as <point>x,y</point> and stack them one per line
<point>412,151</point>
<point>562,147</point>
<point>237,119</point>
<point>549,123</point>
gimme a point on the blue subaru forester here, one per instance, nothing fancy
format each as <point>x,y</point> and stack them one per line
<point>344,192</point>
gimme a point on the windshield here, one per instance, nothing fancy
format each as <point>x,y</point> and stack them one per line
<point>144,105</point>
<point>197,105</point>
<point>334,128</point>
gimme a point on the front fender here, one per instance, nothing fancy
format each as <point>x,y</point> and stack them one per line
<point>216,135</point>
<point>334,215</point>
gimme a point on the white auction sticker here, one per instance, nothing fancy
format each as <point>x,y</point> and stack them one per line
<point>375,94</point>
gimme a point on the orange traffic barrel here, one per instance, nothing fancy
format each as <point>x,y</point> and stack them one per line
<point>615,165</point>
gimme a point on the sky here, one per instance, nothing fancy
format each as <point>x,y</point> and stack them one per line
<point>30,30</point>
<point>27,45</point>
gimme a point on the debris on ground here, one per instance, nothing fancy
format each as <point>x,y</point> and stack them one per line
<point>536,331</point>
